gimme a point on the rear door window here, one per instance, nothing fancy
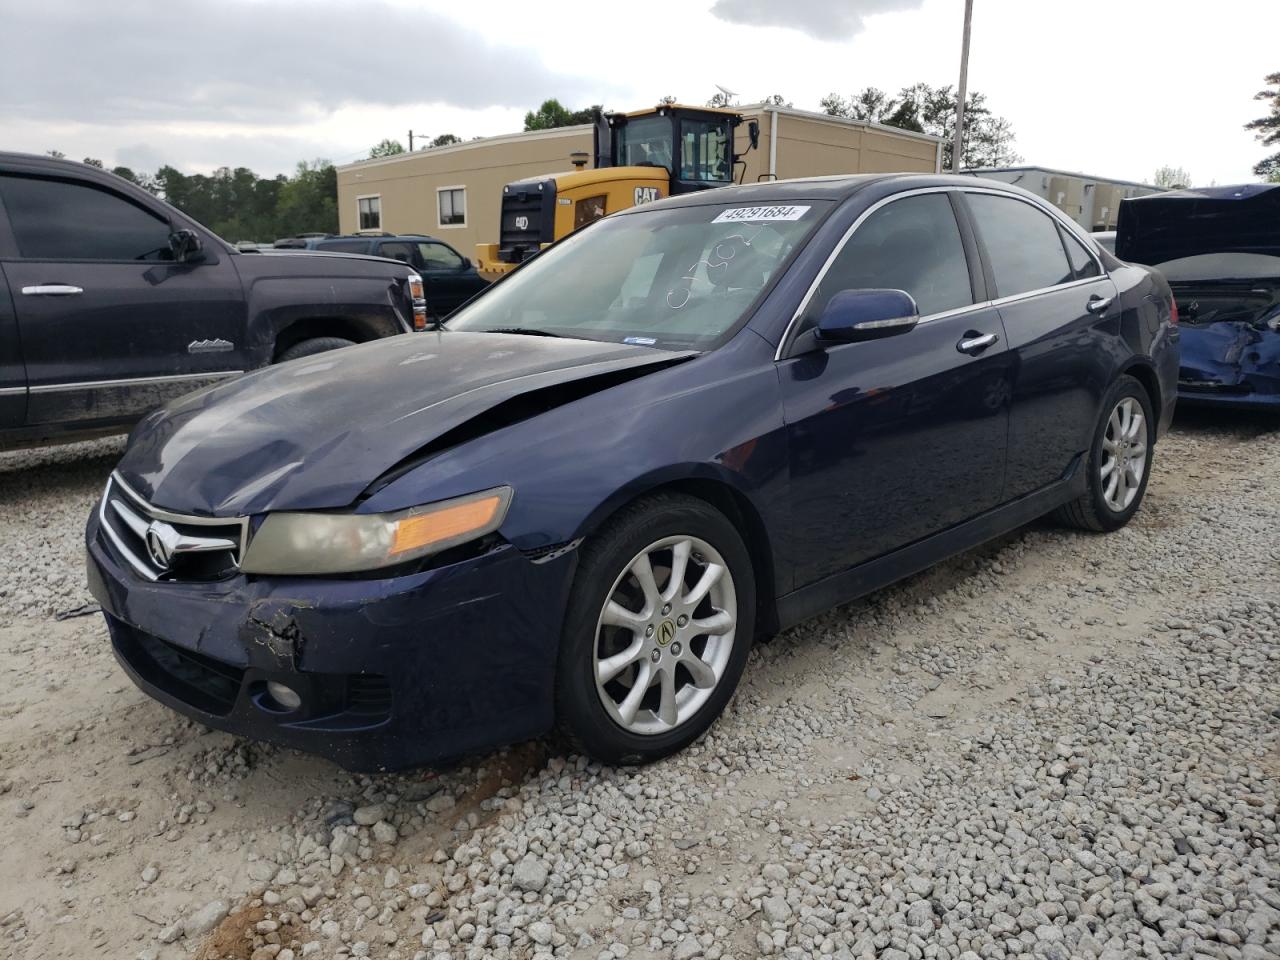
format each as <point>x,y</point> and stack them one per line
<point>911,244</point>
<point>397,250</point>
<point>436,256</point>
<point>63,220</point>
<point>1022,243</point>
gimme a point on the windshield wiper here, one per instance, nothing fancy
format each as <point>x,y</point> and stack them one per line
<point>525,331</point>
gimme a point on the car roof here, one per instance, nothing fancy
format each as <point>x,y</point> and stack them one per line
<point>377,236</point>
<point>837,187</point>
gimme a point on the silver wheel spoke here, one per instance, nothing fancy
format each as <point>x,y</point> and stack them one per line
<point>1112,484</point>
<point>704,584</point>
<point>616,615</point>
<point>642,570</point>
<point>667,711</point>
<point>718,623</point>
<point>704,678</point>
<point>679,563</point>
<point>628,707</point>
<point>610,667</point>
<point>1108,467</point>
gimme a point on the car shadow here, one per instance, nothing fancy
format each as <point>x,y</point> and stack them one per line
<point>1202,420</point>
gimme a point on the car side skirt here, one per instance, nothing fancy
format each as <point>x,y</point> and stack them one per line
<point>867,577</point>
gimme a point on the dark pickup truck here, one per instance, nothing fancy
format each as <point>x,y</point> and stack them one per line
<point>112,302</point>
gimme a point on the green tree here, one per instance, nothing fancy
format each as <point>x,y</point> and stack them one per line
<point>308,201</point>
<point>386,148</point>
<point>776,100</point>
<point>720,99</point>
<point>239,205</point>
<point>1267,129</point>
<point>552,113</point>
<point>1171,178</point>
<point>988,139</point>
<point>94,162</point>
<point>445,139</point>
<point>56,154</point>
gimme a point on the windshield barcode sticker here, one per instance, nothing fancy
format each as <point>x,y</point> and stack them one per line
<point>761,213</point>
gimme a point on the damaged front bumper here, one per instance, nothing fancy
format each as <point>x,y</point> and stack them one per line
<point>390,673</point>
<point>1230,363</point>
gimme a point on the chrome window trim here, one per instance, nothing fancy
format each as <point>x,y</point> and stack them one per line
<point>155,513</point>
<point>1035,202</point>
<point>132,381</point>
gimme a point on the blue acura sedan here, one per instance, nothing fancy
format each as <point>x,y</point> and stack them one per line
<point>676,432</point>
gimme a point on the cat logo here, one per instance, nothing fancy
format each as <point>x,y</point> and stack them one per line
<point>646,195</point>
<point>522,223</point>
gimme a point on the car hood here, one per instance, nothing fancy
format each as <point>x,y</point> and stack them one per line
<point>315,433</point>
<point>1185,223</point>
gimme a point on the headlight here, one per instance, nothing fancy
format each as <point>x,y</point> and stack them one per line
<point>319,543</point>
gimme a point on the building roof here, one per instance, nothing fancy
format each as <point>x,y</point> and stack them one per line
<point>984,171</point>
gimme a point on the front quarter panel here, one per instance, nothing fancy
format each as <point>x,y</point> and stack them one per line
<point>715,418</point>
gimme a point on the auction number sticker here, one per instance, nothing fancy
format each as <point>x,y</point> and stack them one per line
<point>780,212</point>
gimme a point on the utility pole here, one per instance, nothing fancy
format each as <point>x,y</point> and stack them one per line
<point>966,46</point>
<point>957,145</point>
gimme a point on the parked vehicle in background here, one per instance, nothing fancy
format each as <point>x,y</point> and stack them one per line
<point>112,302</point>
<point>693,423</point>
<point>449,278</point>
<point>1219,248</point>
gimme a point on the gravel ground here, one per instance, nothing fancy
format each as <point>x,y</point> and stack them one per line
<point>1055,746</point>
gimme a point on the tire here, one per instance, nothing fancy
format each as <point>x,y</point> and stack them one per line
<point>312,346</point>
<point>658,644</point>
<point>1095,510</point>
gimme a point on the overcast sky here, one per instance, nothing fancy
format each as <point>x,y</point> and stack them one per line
<point>1108,87</point>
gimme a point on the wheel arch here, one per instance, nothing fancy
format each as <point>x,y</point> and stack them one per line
<point>308,328</point>
<point>708,486</point>
<point>1142,370</point>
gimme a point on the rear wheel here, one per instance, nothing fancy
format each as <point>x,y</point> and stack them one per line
<point>659,629</point>
<point>312,346</point>
<point>1119,461</point>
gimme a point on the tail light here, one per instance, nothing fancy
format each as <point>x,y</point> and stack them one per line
<point>1173,311</point>
<point>418,294</point>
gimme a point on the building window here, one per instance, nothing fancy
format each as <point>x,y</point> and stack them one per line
<point>453,206</point>
<point>370,211</point>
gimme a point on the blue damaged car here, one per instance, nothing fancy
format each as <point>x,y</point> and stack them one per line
<point>679,430</point>
<point>1219,248</point>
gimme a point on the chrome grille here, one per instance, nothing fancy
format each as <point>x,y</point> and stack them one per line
<point>160,545</point>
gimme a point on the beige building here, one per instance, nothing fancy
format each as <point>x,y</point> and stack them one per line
<point>1093,202</point>
<point>455,192</point>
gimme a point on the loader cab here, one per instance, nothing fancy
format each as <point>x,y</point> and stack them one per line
<point>693,144</point>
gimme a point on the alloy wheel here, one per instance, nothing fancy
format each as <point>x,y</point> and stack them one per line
<point>659,652</point>
<point>1124,454</point>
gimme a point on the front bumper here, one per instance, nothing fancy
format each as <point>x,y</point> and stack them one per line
<point>392,673</point>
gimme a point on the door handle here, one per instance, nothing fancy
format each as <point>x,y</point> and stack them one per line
<point>974,343</point>
<point>1097,304</point>
<point>52,290</point>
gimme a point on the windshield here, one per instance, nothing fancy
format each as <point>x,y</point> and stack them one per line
<point>647,140</point>
<point>677,278</point>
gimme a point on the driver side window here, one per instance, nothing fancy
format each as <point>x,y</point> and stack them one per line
<point>911,244</point>
<point>62,220</point>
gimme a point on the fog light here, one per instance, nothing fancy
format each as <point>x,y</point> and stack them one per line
<point>287,697</point>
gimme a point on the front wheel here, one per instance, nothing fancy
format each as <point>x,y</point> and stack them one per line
<point>309,348</point>
<point>659,628</point>
<point>1119,461</point>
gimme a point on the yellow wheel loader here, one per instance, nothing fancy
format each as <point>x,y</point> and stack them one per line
<point>639,157</point>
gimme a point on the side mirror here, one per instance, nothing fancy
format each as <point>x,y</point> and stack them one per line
<point>852,316</point>
<point>466,263</point>
<point>185,245</point>
<point>753,133</point>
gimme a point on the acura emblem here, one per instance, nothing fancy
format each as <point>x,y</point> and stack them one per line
<point>161,539</point>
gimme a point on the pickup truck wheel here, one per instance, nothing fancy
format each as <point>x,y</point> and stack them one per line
<point>307,348</point>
